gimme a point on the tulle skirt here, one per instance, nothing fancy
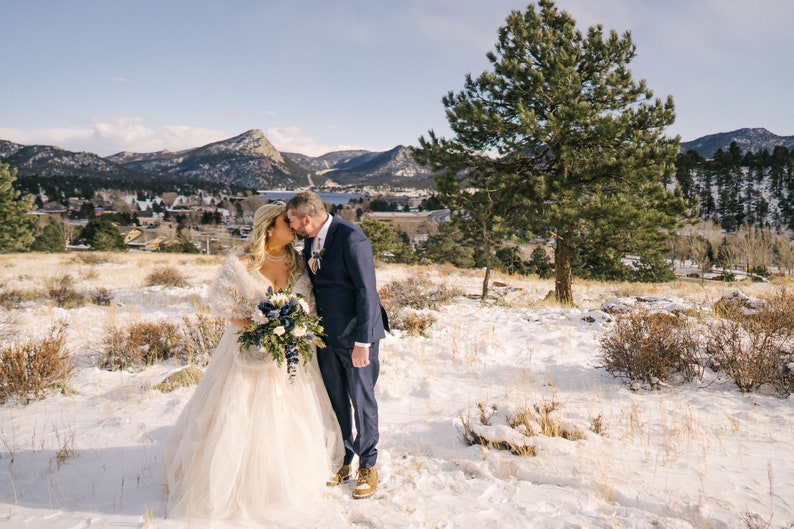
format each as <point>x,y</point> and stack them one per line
<point>249,442</point>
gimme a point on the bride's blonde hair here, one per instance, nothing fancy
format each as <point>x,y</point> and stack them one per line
<point>254,247</point>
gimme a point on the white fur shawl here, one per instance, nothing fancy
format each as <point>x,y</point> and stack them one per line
<point>236,293</point>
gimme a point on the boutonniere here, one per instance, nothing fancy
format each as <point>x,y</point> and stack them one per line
<point>315,260</point>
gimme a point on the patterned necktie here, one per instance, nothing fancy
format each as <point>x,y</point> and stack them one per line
<point>314,260</point>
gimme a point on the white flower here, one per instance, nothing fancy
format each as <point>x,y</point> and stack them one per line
<point>279,299</point>
<point>303,305</point>
<point>299,331</point>
<point>278,331</point>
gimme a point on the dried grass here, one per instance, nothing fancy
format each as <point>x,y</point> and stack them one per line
<point>139,344</point>
<point>30,369</point>
<point>189,376</point>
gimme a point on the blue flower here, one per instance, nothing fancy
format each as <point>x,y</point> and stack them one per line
<point>289,308</point>
<point>287,322</point>
<point>266,306</point>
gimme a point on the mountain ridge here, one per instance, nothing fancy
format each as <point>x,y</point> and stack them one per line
<point>748,139</point>
<point>247,160</point>
<point>250,161</point>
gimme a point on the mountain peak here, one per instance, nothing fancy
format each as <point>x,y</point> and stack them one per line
<point>748,139</point>
<point>251,143</point>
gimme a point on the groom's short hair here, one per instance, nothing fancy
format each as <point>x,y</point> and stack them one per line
<point>307,203</point>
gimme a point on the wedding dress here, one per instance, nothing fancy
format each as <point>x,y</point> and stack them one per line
<point>249,441</point>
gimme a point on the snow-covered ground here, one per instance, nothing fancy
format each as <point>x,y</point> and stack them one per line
<point>701,455</point>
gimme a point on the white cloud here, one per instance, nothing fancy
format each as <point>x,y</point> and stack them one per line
<point>293,139</point>
<point>135,134</point>
<point>120,133</point>
<point>55,136</point>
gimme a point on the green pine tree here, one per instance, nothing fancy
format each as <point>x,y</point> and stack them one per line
<point>561,126</point>
<point>102,235</point>
<point>16,227</point>
<point>50,240</point>
<point>449,245</point>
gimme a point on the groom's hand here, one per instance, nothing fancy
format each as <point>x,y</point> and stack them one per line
<point>360,356</point>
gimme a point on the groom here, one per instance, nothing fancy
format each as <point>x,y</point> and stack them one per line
<point>342,271</point>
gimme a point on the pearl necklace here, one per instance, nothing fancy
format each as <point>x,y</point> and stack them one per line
<point>277,259</point>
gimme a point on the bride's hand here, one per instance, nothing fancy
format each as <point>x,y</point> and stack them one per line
<point>241,323</point>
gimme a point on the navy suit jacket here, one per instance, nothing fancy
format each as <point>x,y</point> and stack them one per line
<point>344,287</point>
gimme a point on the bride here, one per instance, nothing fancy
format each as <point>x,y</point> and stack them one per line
<point>249,441</point>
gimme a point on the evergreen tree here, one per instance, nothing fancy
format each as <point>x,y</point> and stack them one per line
<point>16,228</point>
<point>381,236</point>
<point>560,130</point>
<point>50,240</point>
<point>509,260</point>
<point>540,263</point>
<point>102,235</point>
<point>449,245</point>
<point>388,243</point>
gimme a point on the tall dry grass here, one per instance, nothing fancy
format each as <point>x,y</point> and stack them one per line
<point>30,368</point>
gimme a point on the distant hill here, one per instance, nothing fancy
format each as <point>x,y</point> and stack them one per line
<point>394,168</point>
<point>326,162</point>
<point>248,160</point>
<point>54,162</point>
<point>245,161</point>
<point>752,140</point>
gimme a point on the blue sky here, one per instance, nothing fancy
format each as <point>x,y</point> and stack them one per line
<point>145,75</point>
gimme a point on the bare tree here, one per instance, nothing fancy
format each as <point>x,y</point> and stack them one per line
<point>756,245</point>
<point>784,253</point>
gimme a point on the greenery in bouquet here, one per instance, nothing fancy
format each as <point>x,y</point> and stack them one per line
<point>284,327</point>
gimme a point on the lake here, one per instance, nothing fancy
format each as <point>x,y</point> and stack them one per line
<point>330,197</point>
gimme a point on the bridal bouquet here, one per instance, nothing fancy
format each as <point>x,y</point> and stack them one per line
<point>283,327</point>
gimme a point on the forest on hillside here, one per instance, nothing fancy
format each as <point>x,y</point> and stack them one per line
<point>735,188</point>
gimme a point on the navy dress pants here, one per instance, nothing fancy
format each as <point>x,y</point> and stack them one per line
<point>348,385</point>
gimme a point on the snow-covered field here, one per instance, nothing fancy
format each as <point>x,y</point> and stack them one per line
<point>701,455</point>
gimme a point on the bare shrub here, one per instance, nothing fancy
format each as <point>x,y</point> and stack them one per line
<point>92,258</point>
<point>755,347</point>
<point>101,296</point>
<point>139,344</point>
<point>61,290</point>
<point>201,332</point>
<point>413,323</point>
<point>651,347</point>
<point>417,293</point>
<point>29,369</point>
<point>167,276</point>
